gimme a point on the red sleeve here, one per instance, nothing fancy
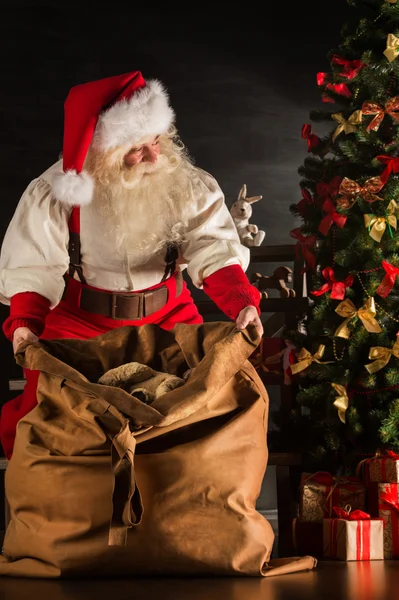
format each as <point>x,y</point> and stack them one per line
<point>231,291</point>
<point>27,309</point>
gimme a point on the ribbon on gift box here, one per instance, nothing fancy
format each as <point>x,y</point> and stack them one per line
<point>332,486</point>
<point>364,473</point>
<point>363,530</point>
<point>388,500</point>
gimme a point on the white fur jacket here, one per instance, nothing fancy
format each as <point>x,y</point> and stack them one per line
<point>34,254</point>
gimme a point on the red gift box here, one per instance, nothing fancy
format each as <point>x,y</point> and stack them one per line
<point>388,508</point>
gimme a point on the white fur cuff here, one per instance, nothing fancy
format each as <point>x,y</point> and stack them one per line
<point>72,188</point>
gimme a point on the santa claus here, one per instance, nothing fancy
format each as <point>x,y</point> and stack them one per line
<point>100,240</point>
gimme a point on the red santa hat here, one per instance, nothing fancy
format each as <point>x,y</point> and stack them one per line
<point>111,112</point>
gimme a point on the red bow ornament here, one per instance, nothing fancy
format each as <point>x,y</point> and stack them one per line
<point>313,140</point>
<point>304,204</point>
<point>388,282</point>
<point>392,166</point>
<point>304,245</point>
<point>338,288</point>
<point>331,217</point>
<point>350,67</point>
<point>330,189</point>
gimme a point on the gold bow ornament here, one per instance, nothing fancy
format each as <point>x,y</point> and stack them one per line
<point>381,357</point>
<point>392,48</point>
<point>391,1</point>
<point>377,225</point>
<point>350,190</point>
<point>341,403</point>
<point>372,108</point>
<point>346,125</point>
<point>305,359</point>
<point>366,314</point>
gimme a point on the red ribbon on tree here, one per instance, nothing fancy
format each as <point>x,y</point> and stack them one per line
<point>306,201</point>
<point>392,166</point>
<point>337,288</point>
<point>330,189</point>
<point>388,282</point>
<point>350,67</point>
<point>331,217</point>
<point>304,244</point>
<point>313,140</point>
<point>337,88</point>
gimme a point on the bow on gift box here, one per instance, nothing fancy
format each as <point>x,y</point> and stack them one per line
<point>372,108</point>
<point>350,67</point>
<point>305,359</point>
<point>377,225</point>
<point>341,403</point>
<point>350,189</point>
<point>381,357</point>
<point>304,244</point>
<point>346,125</point>
<point>392,166</point>
<point>331,217</point>
<point>350,515</point>
<point>337,288</point>
<point>366,314</point>
<point>313,140</point>
<point>392,48</point>
<point>388,282</point>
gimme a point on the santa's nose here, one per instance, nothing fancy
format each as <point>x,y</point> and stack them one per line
<point>150,156</point>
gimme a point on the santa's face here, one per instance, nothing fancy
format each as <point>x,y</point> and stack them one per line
<point>146,151</point>
<point>141,195</point>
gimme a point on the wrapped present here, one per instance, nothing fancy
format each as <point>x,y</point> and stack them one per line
<point>382,468</point>
<point>353,535</point>
<point>320,491</point>
<point>388,508</point>
<point>307,538</point>
<point>267,358</point>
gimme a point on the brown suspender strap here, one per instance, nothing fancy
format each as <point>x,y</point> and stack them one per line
<point>122,306</point>
<point>172,254</point>
<point>74,245</point>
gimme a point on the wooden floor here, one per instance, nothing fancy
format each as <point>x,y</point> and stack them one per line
<point>376,580</point>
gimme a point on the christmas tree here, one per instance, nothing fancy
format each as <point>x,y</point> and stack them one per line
<point>348,353</point>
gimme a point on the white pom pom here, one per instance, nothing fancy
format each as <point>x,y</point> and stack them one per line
<point>72,188</point>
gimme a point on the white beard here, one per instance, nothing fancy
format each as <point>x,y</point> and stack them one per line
<point>142,209</point>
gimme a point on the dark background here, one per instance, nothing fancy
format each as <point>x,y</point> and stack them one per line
<point>241,80</point>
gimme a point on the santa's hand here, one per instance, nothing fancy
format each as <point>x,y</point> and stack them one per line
<point>248,315</point>
<point>22,334</point>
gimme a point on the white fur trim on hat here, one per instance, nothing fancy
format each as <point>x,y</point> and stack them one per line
<point>147,112</point>
<point>72,188</point>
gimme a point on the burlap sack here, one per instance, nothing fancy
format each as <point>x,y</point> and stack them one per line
<point>102,484</point>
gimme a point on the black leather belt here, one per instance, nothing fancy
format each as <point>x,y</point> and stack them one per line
<point>133,306</point>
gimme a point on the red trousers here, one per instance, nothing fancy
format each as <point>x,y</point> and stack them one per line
<point>67,320</point>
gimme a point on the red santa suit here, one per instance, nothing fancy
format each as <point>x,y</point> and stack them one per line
<point>63,279</point>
